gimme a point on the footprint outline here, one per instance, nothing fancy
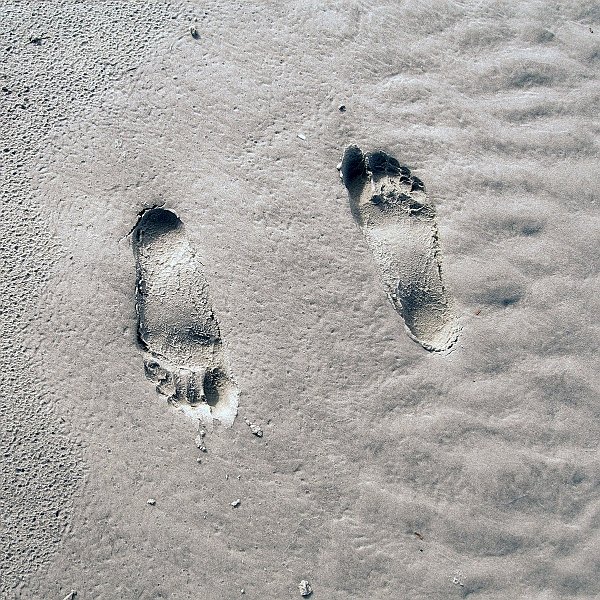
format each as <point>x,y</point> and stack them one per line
<point>398,221</point>
<point>177,328</point>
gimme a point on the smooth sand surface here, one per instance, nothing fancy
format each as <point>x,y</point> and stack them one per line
<point>384,471</point>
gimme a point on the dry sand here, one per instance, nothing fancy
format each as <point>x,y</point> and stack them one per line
<point>384,471</point>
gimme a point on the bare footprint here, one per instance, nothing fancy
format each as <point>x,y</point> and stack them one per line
<point>177,327</point>
<point>398,221</point>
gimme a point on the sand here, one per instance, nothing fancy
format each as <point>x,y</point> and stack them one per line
<point>384,469</point>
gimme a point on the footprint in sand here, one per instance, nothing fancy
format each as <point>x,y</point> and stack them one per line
<point>177,327</point>
<point>398,221</point>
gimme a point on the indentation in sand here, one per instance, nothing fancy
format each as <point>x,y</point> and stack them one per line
<point>398,221</point>
<point>177,326</point>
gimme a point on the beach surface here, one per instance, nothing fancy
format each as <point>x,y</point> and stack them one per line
<point>385,390</point>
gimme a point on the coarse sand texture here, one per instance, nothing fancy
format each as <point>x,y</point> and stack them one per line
<point>398,221</point>
<point>177,327</point>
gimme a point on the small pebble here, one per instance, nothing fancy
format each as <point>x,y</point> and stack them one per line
<point>199,440</point>
<point>342,108</point>
<point>194,32</point>
<point>301,136</point>
<point>255,429</point>
<point>305,589</point>
<point>151,501</point>
<point>236,503</point>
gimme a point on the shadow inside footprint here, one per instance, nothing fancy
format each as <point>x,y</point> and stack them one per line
<point>177,327</point>
<point>398,221</point>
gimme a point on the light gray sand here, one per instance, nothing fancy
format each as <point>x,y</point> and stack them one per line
<point>385,471</point>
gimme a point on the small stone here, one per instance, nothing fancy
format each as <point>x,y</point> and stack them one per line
<point>194,32</point>
<point>301,136</point>
<point>305,589</point>
<point>151,501</point>
<point>236,503</point>
<point>342,108</point>
<point>199,439</point>
<point>198,460</point>
<point>200,442</point>
<point>255,429</point>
